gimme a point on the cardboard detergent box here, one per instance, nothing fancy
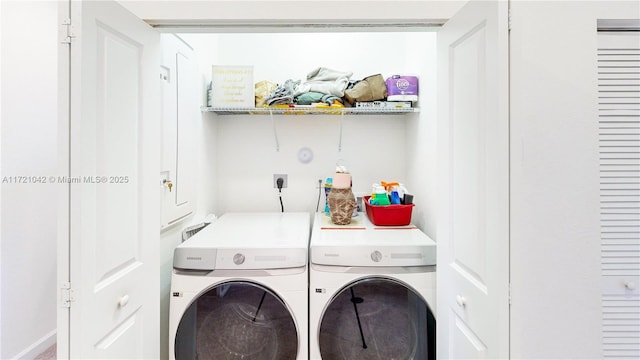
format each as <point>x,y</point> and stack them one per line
<point>402,88</point>
<point>384,104</point>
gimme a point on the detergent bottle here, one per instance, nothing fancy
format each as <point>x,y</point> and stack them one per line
<point>381,196</point>
<point>372,198</point>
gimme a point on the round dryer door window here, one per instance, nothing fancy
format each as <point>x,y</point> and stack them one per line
<point>377,318</point>
<point>237,320</point>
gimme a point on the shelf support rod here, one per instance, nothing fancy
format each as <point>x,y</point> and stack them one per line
<point>340,140</point>
<point>275,132</point>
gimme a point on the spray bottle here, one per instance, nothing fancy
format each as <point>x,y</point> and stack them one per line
<point>327,189</point>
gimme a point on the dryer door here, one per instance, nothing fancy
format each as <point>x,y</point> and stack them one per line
<point>237,320</point>
<point>377,318</point>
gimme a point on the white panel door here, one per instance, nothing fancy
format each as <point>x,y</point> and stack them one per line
<point>473,150</point>
<point>180,112</point>
<point>114,205</point>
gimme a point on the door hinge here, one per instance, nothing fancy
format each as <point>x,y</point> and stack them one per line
<point>509,20</point>
<point>67,295</point>
<point>70,33</point>
<point>509,296</point>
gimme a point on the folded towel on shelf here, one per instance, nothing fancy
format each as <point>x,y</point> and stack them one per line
<point>283,94</point>
<point>325,74</point>
<point>313,97</point>
<point>326,81</point>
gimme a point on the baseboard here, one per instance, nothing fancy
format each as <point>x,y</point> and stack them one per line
<point>37,347</point>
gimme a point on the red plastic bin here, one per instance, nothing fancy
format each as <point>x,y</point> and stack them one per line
<point>388,215</point>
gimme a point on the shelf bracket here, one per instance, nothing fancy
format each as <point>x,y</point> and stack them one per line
<point>275,132</point>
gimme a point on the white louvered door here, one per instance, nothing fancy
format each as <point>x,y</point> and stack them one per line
<point>619,123</point>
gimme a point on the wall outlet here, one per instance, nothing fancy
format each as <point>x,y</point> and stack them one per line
<point>275,179</point>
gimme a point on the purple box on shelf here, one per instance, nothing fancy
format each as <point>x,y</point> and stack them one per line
<point>402,88</point>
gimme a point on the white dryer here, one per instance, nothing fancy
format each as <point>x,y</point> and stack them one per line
<point>239,289</point>
<point>372,291</point>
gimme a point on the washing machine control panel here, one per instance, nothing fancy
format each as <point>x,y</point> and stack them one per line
<point>364,255</point>
<point>376,256</point>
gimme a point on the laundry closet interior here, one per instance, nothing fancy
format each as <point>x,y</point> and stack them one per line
<point>232,155</point>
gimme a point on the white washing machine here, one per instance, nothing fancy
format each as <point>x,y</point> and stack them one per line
<point>239,289</point>
<point>372,291</point>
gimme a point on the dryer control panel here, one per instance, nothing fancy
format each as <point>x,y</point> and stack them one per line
<point>260,259</point>
<point>364,255</point>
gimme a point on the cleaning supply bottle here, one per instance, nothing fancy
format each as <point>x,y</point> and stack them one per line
<point>327,188</point>
<point>381,197</point>
<point>395,197</point>
<point>372,198</point>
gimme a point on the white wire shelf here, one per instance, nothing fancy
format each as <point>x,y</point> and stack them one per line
<point>309,110</point>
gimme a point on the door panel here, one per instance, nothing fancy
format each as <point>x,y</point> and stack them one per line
<point>113,162</point>
<point>187,113</point>
<point>463,341</point>
<point>473,231</point>
<point>116,123</point>
<point>179,115</point>
<point>468,155</point>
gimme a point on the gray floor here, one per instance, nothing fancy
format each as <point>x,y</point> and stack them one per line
<point>49,354</point>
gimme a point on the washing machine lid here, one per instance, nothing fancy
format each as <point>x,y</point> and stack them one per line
<point>369,245</point>
<point>247,241</point>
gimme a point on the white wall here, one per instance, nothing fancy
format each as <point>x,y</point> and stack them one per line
<point>555,235</point>
<point>29,148</point>
<point>421,135</point>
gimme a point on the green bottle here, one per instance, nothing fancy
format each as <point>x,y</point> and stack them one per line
<point>381,197</point>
